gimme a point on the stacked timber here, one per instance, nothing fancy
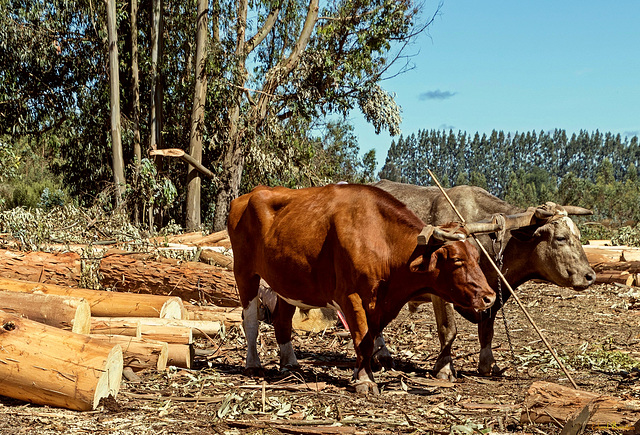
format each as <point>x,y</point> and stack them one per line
<point>153,330</point>
<point>50,366</point>
<point>615,264</point>
<point>124,271</point>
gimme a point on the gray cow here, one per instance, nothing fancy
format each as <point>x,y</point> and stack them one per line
<point>548,248</point>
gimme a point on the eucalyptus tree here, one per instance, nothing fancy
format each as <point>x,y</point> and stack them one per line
<point>300,59</point>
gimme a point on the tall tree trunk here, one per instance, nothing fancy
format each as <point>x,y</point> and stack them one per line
<point>156,88</point>
<point>233,162</point>
<point>135,90</point>
<point>114,82</point>
<point>194,179</point>
<point>155,111</point>
<point>237,144</point>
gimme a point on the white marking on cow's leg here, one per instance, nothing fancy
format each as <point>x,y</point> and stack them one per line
<point>288,358</point>
<point>446,323</point>
<point>250,325</point>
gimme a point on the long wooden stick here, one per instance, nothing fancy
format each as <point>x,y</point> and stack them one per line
<point>506,283</point>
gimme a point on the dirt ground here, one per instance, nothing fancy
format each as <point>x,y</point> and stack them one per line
<point>596,332</point>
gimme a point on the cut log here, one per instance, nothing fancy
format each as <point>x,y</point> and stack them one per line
<point>62,269</point>
<point>168,334</point>
<point>220,238</point>
<point>181,355</point>
<point>49,366</point>
<point>629,266</point>
<point>630,255</point>
<point>547,403</point>
<point>199,327</point>
<point>598,254</point>
<point>139,353</point>
<point>105,303</point>
<point>196,239</point>
<point>616,276</point>
<point>599,243</point>
<point>69,313</point>
<point>216,258</point>
<point>128,273</point>
<point>226,315</point>
<point>188,280</point>
<point>107,326</point>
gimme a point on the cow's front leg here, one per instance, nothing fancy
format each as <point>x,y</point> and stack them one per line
<point>250,325</point>
<point>487,364</point>
<point>362,343</point>
<point>282,316</point>
<point>446,325</point>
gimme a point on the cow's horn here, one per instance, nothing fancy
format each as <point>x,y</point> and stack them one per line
<point>443,235</point>
<point>482,227</point>
<point>541,213</point>
<point>575,210</point>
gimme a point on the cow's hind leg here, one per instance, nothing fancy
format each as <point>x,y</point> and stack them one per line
<point>248,289</point>
<point>282,324</point>
<point>447,331</point>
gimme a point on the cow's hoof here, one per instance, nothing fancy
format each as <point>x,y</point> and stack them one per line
<point>497,371</point>
<point>492,370</point>
<point>254,372</point>
<point>366,387</point>
<point>446,373</point>
<point>290,368</point>
<point>383,362</point>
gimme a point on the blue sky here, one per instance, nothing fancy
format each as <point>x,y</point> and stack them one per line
<point>520,66</point>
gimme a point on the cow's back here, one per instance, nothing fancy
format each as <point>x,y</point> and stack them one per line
<point>312,238</point>
<point>428,202</point>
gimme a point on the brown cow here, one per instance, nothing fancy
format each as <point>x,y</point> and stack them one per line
<point>547,247</point>
<point>350,247</point>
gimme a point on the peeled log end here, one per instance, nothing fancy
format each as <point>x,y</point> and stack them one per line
<point>173,309</point>
<point>109,382</point>
<point>49,366</point>
<point>82,319</point>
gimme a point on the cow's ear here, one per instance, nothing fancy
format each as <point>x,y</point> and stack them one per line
<point>425,262</point>
<point>418,264</point>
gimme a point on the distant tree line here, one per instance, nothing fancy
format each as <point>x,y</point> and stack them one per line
<point>594,170</point>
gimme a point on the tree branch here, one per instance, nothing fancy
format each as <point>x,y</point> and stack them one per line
<point>262,33</point>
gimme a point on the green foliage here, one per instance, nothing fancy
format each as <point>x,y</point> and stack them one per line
<point>627,235</point>
<point>611,361</point>
<point>530,168</point>
<point>27,181</point>
<point>157,190</point>
<point>308,160</point>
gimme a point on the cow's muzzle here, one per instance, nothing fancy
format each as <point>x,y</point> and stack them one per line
<point>484,302</point>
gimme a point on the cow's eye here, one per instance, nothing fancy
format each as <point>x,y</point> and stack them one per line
<point>458,261</point>
<point>561,239</point>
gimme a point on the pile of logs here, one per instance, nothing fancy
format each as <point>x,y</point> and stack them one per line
<point>68,347</point>
<point>614,264</point>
